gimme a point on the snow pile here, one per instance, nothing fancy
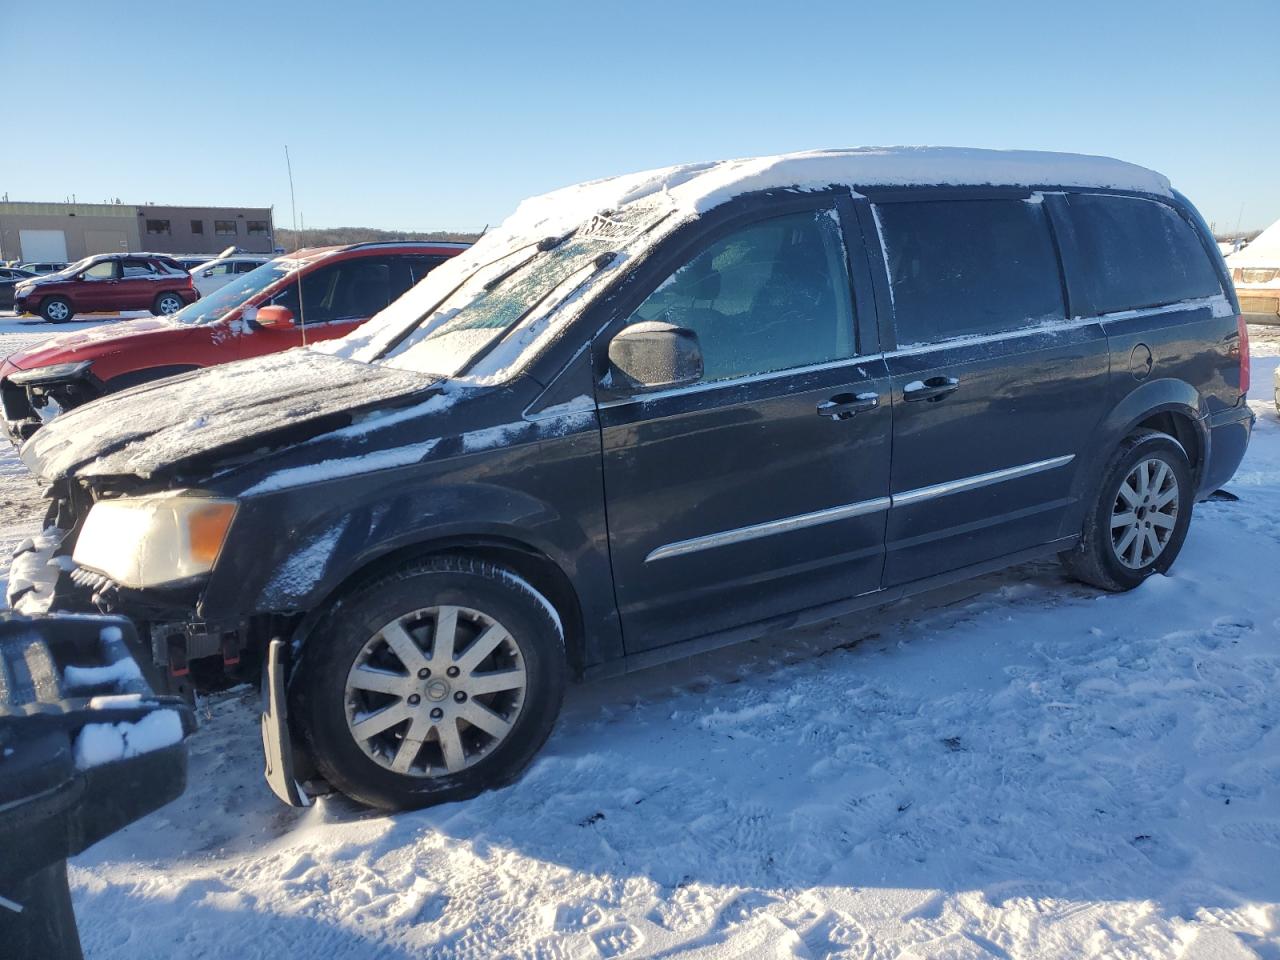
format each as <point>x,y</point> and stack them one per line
<point>122,671</point>
<point>101,743</point>
<point>1264,251</point>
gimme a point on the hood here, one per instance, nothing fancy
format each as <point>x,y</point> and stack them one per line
<point>237,409</point>
<point>91,343</point>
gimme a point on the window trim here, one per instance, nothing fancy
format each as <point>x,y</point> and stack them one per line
<point>611,312</point>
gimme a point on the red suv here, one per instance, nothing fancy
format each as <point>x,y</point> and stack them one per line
<point>108,281</point>
<point>259,312</point>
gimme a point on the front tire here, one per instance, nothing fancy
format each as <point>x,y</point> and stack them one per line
<point>1139,522</point>
<point>57,310</point>
<point>431,683</point>
<point>167,304</point>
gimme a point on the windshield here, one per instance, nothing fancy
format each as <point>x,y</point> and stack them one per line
<point>501,306</point>
<point>226,298</point>
<point>73,269</point>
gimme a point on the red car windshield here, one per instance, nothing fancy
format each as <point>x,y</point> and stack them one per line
<point>225,299</point>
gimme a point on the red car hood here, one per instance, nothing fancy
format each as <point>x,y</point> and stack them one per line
<point>91,343</point>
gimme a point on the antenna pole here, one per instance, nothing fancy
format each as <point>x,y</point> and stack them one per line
<point>293,206</point>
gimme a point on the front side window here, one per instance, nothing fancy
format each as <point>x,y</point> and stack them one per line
<point>158,228</point>
<point>224,228</point>
<point>1138,253</point>
<point>103,270</point>
<point>960,268</point>
<point>771,296</point>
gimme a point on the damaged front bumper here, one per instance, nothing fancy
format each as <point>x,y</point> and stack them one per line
<point>31,398</point>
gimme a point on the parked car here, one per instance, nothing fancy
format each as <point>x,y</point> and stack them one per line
<point>343,287</point>
<point>108,282</point>
<point>196,260</point>
<point>208,277</point>
<point>44,268</point>
<point>653,415</point>
<point>9,278</point>
<point>1255,271</point>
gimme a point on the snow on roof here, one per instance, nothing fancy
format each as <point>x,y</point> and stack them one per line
<point>1264,251</point>
<point>690,189</point>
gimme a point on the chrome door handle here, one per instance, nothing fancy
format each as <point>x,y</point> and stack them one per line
<point>844,405</point>
<point>932,390</point>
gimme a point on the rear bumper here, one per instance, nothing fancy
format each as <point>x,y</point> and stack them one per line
<point>1229,432</point>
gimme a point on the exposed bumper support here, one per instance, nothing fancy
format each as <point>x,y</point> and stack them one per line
<point>277,745</point>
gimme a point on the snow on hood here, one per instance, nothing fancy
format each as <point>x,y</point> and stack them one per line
<point>671,196</point>
<point>236,406</point>
<point>1264,251</point>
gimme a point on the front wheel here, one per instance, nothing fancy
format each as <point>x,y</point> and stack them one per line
<point>56,310</point>
<point>166,304</point>
<point>431,684</point>
<point>1140,520</point>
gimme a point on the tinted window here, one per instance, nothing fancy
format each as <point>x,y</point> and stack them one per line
<point>246,266</point>
<point>1138,253</point>
<point>770,296</point>
<point>423,265</point>
<point>343,291</point>
<point>969,267</point>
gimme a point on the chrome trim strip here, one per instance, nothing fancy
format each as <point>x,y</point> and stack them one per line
<point>861,508</point>
<point>979,480</point>
<point>769,528</point>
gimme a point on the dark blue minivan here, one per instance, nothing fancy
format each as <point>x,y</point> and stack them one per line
<point>649,416</point>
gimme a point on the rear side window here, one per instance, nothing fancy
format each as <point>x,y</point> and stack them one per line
<point>962,268</point>
<point>1138,253</point>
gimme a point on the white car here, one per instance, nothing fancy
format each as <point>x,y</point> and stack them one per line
<point>210,276</point>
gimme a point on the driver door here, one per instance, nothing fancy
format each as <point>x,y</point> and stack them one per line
<point>762,489</point>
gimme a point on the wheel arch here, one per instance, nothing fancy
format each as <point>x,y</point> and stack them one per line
<point>530,563</point>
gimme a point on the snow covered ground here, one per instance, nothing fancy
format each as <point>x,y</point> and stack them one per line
<point>1016,767</point>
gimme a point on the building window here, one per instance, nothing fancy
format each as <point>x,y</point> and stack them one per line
<point>257,228</point>
<point>197,226</point>
<point>224,228</point>
<point>158,228</point>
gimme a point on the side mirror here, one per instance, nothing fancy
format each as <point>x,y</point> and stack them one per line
<point>654,356</point>
<point>275,316</point>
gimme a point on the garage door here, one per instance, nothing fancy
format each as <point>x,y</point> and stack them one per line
<point>43,246</point>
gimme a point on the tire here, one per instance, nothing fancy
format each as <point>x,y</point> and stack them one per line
<point>57,310</point>
<point>387,769</point>
<point>1120,562</point>
<point>166,304</point>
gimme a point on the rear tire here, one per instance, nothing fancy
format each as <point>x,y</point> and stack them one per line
<point>57,310</point>
<point>351,674</point>
<point>1139,521</point>
<point>167,304</point>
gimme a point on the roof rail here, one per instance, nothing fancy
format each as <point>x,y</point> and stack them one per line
<point>452,244</point>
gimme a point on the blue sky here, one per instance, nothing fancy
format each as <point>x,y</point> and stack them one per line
<point>430,115</point>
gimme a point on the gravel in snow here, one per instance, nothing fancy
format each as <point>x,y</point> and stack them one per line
<point>1019,766</point>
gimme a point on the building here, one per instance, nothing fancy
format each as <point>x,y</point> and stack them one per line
<point>68,231</point>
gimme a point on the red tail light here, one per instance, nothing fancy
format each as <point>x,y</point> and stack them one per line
<point>1244,355</point>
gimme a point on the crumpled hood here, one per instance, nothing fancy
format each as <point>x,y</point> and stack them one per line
<point>91,343</point>
<point>214,414</point>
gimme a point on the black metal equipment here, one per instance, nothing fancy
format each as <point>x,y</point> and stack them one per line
<point>85,750</point>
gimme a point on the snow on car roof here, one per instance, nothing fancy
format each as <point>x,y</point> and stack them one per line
<point>688,190</point>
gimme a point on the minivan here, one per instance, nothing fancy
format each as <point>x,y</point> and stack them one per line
<point>649,416</point>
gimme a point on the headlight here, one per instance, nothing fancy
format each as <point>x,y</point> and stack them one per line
<point>59,371</point>
<point>149,541</point>
<point>23,289</point>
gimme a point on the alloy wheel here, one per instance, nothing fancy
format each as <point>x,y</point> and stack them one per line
<point>435,691</point>
<point>58,310</point>
<point>170,305</point>
<point>1145,513</point>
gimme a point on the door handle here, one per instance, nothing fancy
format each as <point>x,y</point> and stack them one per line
<point>933,389</point>
<point>844,405</point>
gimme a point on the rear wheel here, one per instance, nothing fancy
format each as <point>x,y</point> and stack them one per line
<point>166,304</point>
<point>1139,522</point>
<point>57,310</point>
<point>431,684</point>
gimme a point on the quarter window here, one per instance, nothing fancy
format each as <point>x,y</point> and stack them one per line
<point>962,268</point>
<point>224,228</point>
<point>771,296</point>
<point>158,228</point>
<point>1138,253</point>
